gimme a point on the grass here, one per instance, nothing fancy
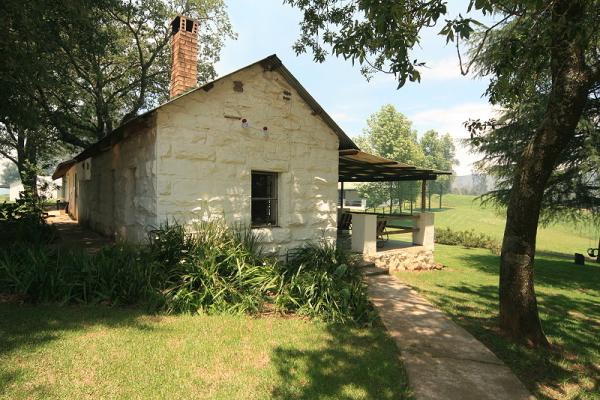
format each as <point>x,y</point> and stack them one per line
<point>463,212</point>
<point>569,302</point>
<point>3,198</point>
<point>568,297</point>
<point>99,352</point>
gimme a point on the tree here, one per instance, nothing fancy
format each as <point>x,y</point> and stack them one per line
<point>573,189</point>
<point>440,154</point>
<point>95,65</point>
<point>536,39</point>
<point>127,70</point>
<point>389,134</point>
<point>479,184</point>
<point>26,54</point>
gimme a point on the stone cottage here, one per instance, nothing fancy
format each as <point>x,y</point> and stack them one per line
<point>253,147</point>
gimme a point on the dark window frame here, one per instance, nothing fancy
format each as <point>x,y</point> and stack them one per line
<point>269,219</point>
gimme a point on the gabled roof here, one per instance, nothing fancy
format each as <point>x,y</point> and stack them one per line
<point>271,63</point>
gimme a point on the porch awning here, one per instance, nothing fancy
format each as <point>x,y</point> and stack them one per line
<point>358,166</point>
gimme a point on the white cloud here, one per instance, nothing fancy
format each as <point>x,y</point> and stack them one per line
<point>441,70</point>
<point>451,120</point>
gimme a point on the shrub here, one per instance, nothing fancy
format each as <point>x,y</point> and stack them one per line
<point>116,275</point>
<point>320,281</point>
<point>212,268</point>
<point>23,221</point>
<point>468,239</point>
<point>209,268</point>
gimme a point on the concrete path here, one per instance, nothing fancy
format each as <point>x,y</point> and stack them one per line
<point>443,360</point>
<point>73,235</point>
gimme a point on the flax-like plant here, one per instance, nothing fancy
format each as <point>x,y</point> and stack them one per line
<point>205,267</point>
<point>320,281</point>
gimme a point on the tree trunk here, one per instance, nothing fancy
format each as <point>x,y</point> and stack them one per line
<point>441,192</point>
<point>29,181</point>
<point>570,85</point>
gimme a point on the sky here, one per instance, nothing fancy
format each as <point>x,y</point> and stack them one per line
<point>443,100</point>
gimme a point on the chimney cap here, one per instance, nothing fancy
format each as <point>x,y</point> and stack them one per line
<point>183,23</point>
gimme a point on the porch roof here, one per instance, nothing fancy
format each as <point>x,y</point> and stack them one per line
<point>358,166</point>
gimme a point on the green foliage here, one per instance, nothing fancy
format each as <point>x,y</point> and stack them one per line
<point>116,275</point>
<point>23,222</point>
<point>468,239</point>
<point>71,72</point>
<point>205,268</point>
<point>321,281</point>
<point>573,189</point>
<point>211,269</point>
<point>440,154</point>
<point>389,134</point>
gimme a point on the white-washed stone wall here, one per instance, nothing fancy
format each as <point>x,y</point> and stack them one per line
<point>119,199</point>
<point>205,157</point>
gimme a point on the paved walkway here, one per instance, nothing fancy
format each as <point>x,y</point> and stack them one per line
<point>74,235</point>
<point>443,360</point>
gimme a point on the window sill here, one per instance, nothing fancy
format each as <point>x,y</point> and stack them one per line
<point>264,226</point>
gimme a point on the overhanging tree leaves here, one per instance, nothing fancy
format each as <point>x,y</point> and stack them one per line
<point>126,68</point>
<point>557,39</point>
<point>72,71</point>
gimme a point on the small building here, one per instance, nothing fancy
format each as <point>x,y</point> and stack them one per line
<point>351,198</point>
<point>47,188</point>
<point>252,147</point>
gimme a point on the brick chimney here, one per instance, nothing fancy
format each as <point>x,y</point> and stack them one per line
<point>184,48</point>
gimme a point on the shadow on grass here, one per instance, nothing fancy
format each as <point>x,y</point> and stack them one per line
<point>23,328</point>
<point>351,363</point>
<point>549,271</point>
<point>569,370</point>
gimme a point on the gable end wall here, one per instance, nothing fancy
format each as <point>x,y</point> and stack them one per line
<point>205,157</point>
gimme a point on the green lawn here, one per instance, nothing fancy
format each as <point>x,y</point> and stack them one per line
<point>569,301</point>
<point>568,296</point>
<point>464,212</point>
<point>3,198</point>
<point>97,352</point>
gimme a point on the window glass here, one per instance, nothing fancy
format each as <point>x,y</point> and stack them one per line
<point>264,198</point>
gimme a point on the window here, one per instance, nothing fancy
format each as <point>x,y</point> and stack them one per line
<point>264,198</point>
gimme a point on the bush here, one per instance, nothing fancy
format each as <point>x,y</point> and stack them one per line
<point>23,221</point>
<point>209,268</point>
<point>321,281</point>
<point>212,268</point>
<point>116,275</point>
<point>467,239</point>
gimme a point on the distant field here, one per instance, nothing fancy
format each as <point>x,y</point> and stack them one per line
<point>3,197</point>
<point>461,212</point>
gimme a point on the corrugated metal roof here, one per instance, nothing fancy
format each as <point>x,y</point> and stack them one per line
<point>358,166</point>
